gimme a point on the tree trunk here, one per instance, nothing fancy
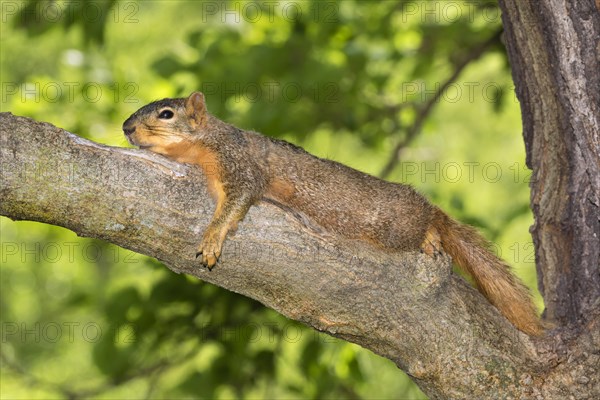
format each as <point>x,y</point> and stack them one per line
<point>554,50</point>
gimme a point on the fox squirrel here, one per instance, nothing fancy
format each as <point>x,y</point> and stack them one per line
<point>243,167</point>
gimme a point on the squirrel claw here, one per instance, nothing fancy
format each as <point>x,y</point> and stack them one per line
<point>207,262</point>
<point>209,250</point>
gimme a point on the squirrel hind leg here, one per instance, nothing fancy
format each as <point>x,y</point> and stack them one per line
<point>432,244</point>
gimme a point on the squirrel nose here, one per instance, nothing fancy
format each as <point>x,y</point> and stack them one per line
<point>128,129</point>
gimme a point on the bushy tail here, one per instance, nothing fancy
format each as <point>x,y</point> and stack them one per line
<point>494,280</point>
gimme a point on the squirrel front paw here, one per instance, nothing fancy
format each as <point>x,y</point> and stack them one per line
<point>210,248</point>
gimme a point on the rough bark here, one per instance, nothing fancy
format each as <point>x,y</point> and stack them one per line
<point>405,306</point>
<point>554,50</point>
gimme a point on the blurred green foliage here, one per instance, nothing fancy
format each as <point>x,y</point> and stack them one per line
<point>83,318</point>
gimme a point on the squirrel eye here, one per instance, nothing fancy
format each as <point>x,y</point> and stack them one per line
<point>166,114</point>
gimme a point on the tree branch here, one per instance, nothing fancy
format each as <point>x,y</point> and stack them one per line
<point>404,306</point>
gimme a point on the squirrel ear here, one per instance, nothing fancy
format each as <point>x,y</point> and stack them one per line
<point>195,107</point>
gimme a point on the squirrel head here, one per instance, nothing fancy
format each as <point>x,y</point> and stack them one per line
<point>167,122</point>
